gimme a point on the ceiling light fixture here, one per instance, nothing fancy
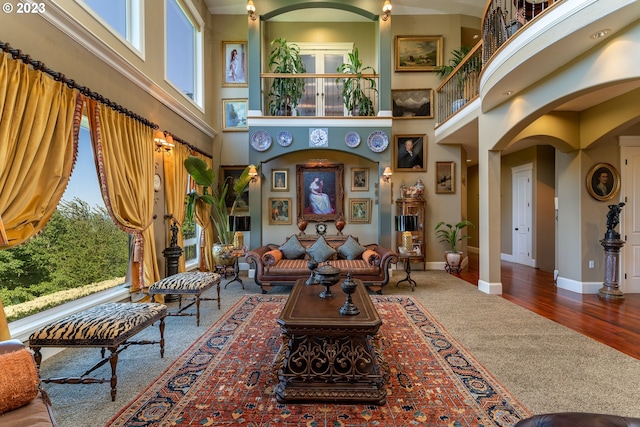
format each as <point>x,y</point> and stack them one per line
<point>508,93</point>
<point>251,10</point>
<point>600,34</point>
<point>386,9</point>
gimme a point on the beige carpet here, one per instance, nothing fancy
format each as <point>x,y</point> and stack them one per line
<point>546,366</point>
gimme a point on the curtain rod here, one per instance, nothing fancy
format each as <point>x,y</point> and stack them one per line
<point>39,65</point>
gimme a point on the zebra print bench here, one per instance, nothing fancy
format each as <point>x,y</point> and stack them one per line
<point>190,283</point>
<point>105,326</point>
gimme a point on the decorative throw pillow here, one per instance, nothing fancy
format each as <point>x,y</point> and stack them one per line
<point>292,248</point>
<point>18,380</point>
<point>371,257</point>
<point>321,251</point>
<point>351,249</point>
<point>272,257</point>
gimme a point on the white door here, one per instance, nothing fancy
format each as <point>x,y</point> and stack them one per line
<point>522,214</point>
<point>630,230</point>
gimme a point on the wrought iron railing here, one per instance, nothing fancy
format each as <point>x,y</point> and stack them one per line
<point>322,95</point>
<point>502,20</point>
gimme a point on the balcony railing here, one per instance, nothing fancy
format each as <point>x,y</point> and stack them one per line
<point>322,95</point>
<point>503,18</point>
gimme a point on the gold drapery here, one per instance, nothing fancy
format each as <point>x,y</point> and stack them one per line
<point>175,188</point>
<point>124,151</point>
<point>4,327</point>
<point>39,125</point>
<point>202,213</point>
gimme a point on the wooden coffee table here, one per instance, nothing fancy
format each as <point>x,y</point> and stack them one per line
<point>326,356</point>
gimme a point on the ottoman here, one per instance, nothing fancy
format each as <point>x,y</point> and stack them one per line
<point>192,284</point>
<point>109,326</point>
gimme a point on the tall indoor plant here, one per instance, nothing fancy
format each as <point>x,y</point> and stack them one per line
<point>285,92</point>
<point>214,193</point>
<point>353,93</point>
<point>457,57</point>
<point>451,234</point>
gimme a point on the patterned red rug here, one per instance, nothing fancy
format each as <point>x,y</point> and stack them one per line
<point>225,377</point>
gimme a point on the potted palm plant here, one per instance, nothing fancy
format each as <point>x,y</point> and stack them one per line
<point>214,193</point>
<point>451,234</point>
<point>353,93</point>
<point>285,92</point>
<point>442,71</point>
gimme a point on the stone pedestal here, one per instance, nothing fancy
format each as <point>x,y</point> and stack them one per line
<point>610,289</point>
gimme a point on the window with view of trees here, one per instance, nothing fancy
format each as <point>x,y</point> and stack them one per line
<point>79,252</point>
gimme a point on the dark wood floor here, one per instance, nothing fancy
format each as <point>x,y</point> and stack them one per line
<point>614,323</point>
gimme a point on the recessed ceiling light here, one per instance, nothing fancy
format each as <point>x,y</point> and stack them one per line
<point>508,93</point>
<point>600,34</point>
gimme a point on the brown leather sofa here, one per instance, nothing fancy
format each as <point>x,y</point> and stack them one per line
<point>272,268</point>
<point>33,412</point>
<point>578,419</point>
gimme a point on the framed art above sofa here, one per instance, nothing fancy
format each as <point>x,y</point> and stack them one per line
<point>320,191</point>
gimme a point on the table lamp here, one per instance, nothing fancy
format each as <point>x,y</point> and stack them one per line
<point>407,224</point>
<point>238,224</point>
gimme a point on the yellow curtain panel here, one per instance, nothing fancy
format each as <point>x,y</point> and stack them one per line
<point>124,150</point>
<point>175,189</point>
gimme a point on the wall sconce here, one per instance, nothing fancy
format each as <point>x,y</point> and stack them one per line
<point>251,10</point>
<point>386,9</point>
<point>163,142</point>
<point>253,174</point>
<point>386,175</point>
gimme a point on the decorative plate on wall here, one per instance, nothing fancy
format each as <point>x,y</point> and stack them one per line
<point>318,137</point>
<point>352,139</point>
<point>284,138</point>
<point>261,140</point>
<point>378,141</point>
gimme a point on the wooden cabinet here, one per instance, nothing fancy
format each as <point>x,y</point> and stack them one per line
<point>413,206</point>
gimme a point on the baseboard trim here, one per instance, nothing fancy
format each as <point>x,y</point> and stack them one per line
<point>490,288</point>
<point>578,287</point>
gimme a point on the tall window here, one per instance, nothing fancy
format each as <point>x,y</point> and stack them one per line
<point>79,252</point>
<point>124,17</point>
<point>184,48</point>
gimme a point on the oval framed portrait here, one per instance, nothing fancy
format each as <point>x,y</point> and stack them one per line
<point>603,181</point>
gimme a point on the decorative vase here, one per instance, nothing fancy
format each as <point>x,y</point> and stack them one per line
<point>223,254</point>
<point>327,276</point>
<point>340,223</point>
<point>454,260</point>
<point>349,287</point>
<point>302,225</point>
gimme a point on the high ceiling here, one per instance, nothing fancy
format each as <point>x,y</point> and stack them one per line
<point>400,7</point>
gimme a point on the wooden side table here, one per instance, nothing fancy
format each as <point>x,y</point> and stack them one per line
<point>237,253</point>
<point>407,259</point>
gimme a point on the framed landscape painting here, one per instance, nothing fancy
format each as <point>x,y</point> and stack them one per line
<point>445,177</point>
<point>418,53</point>
<point>234,115</point>
<point>320,191</point>
<point>412,103</point>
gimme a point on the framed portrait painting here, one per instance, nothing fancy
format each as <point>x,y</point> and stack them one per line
<point>409,153</point>
<point>359,179</point>
<point>603,181</point>
<point>320,191</point>
<point>280,210</point>
<point>412,103</point>
<point>360,211</point>
<point>280,180</point>
<point>234,115</point>
<point>445,177</point>
<point>234,65</point>
<point>418,53</point>
<point>230,174</point>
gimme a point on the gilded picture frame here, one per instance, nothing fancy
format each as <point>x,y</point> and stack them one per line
<point>412,103</point>
<point>280,210</point>
<point>234,115</point>
<point>230,174</point>
<point>359,179</point>
<point>418,53</point>
<point>603,182</point>
<point>360,211</point>
<point>280,180</point>
<point>327,180</point>
<point>410,158</point>
<point>445,177</point>
<point>234,64</point>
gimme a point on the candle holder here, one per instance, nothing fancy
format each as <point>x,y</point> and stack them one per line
<point>349,287</point>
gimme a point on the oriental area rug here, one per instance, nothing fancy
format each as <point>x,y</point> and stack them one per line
<point>225,377</point>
